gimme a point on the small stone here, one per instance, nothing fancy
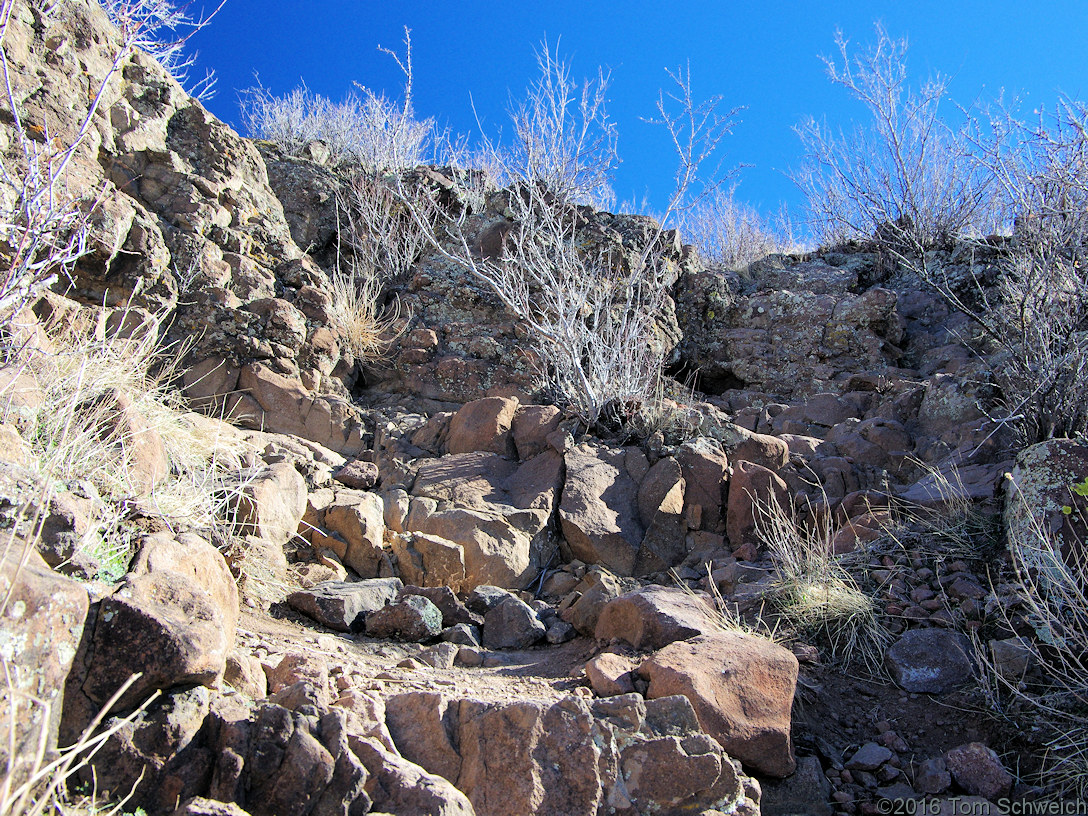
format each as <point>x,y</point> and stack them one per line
<point>560,632</point>
<point>413,618</point>
<point>869,757</point>
<point>512,624</point>
<point>463,634</point>
<point>978,770</point>
<point>931,661</point>
<point>358,475</point>
<point>932,776</point>
<point>469,657</point>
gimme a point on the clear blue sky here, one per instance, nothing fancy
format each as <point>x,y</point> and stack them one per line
<point>760,55</point>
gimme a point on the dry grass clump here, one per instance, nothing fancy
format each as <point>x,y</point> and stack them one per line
<point>364,326</point>
<point>1052,697</point>
<point>89,374</point>
<point>815,594</point>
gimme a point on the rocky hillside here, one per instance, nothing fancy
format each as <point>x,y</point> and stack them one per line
<point>413,584</point>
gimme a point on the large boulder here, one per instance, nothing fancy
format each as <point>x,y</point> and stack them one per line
<point>42,625</point>
<point>484,425</point>
<point>164,626</point>
<point>494,509</point>
<point>359,519</point>
<point>344,605</point>
<point>599,509</point>
<point>653,617</point>
<point>1039,490</point>
<point>741,687</point>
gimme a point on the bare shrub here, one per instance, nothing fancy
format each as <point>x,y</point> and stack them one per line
<point>367,127</point>
<point>563,137</point>
<point>906,176</point>
<point>592,317</point>
<point>729,233</point>
<point>1033,313</point>
<point>162,29</point>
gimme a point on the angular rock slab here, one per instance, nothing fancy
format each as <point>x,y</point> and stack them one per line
<point>653,617</point>
<point>344,605</point>
<point>163,625</point>
<point>40,632</point>
<point>742,689</point>
<point>930,661</point>
<point>512,624</point>
<point>622,754</point>
<point>599,508</point>
<point>412,618</point>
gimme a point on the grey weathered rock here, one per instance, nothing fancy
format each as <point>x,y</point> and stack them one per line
<point>462,633</point>
<point>869,757</point>
<point>344,605</point>
<point>806,791</point>
<point>412,618</point>
<point>930,660</point>
<point>512,624</point>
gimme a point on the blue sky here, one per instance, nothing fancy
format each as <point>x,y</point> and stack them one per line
<point>761,56</point>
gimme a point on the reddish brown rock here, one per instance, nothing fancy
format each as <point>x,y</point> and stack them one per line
<point>358,475</point>
<point>359,519</point>
<point>742,690</point>
<point>653,617</point>
<point>610,674</point>
<point>978,770</point>
<point>531,426</point>
<point>484,425</point>
<point>400,786</point>
<point>163,625</point>
<point>272,504</point>
<point>761,449</point>
<point>661,510</point>
<point>599,508</point>
<point>706,474</point>
<point>424,725</point>
<point>750,488</point>
<point>297,667</point>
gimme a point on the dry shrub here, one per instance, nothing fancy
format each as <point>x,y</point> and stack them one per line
<point>368,128</point>
<point>731,234</point>
<point>592,318</point>
<point>905,176</point>
<point>1051,595</point>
